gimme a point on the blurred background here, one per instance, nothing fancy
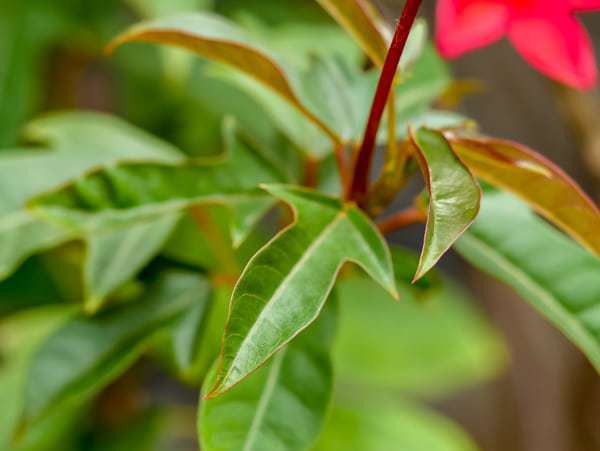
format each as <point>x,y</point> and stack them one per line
<point>548,399</point>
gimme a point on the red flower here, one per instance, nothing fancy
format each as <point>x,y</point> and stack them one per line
<point>545,32</point>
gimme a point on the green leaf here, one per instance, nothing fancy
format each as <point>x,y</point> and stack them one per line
<point>188,335</point>
<point>284,286</point>
<point>431,343</point>
<point>128,194</point>
<point>401,427</point>
<point>215,38</point>
<point>554,274</point>
<point>342,96</point>
<point>361,20</point>
<point>78,142</point>
<point>536,180</point>
<point>454,196</point>
<point>86,354</point>
<point>21,334</point>
<point>115,256</point>
<point>158,8</point>
<point>281,406</point>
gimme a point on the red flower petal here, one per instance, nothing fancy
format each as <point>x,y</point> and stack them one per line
<point>558,46</point>
<point>585,5</point>
<point>464,25</point>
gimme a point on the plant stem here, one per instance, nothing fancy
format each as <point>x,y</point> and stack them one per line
<point>311,172</point>
<point>402,219</point>
<point>364,158</point>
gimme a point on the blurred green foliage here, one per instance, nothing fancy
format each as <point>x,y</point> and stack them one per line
<point>62,370</point>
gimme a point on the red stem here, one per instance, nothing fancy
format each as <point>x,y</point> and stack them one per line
<point>402,219</point>
<point>364,158</point>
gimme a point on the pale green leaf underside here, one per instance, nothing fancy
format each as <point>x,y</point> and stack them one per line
<point>283,288</point>
<point>454,196</point>
<point>280,407</point>
<point>558,277</point>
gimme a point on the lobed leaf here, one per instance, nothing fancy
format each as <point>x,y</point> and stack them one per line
<point>539,182</point>
<point>555,275</point>
<point>215,38</point>
<point>86,354</point>
<point>284,286</point>
<point>281,406</point>
<point>454,196</point>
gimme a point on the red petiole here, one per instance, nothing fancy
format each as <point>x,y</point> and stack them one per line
<point>364,157</point>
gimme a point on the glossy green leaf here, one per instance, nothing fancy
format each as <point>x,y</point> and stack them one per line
<point>554,274</point>
<point>284,286</point>
<point>86,354</point>
<point>128,194</point>
<point>391,428</point>
<point>215,38</point>
<point>536,180</point>
<point>454,196</point>
<point>280,407</point>
<point>431,343</point>
<point>361,20</point>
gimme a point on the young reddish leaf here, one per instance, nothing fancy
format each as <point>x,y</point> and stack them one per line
<point>283,288</point>
<point>215,38</point>
<point>361,20</point>
<point>454,196</point>
<point>536,180</point>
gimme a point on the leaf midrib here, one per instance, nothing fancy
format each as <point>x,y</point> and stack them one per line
<point>265,397</point>
<point>309,252</point>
